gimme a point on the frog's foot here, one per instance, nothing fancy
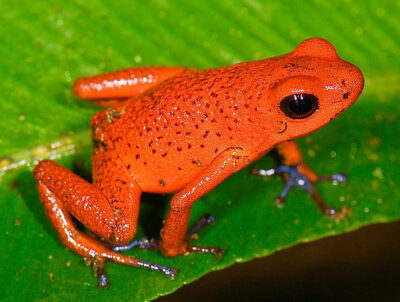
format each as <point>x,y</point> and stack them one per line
<point>145,243</point>
<point>97,262</point>
<point>99,271</point>
<point>294,178</point>
<point>142,243</point>
<point>193,235</point>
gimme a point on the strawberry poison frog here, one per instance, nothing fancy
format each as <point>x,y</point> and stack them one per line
<point>183,131</point>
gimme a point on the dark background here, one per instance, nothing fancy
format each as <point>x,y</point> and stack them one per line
<point>358,266</point>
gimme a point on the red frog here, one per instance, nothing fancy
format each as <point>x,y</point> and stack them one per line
<point>183,131</point>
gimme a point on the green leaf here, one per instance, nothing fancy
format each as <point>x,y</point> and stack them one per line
<point>44,46</point>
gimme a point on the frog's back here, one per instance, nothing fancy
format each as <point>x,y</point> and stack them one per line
<point>169,135</point>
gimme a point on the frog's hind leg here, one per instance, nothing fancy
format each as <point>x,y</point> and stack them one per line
<point>297,174</point>
<point>64,194</point>
<point>123,84</point>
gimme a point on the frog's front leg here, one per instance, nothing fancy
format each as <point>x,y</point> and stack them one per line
<point>174,235</point>
<point>174,232</point>
<point>64,194</point>
<point>297,174</point>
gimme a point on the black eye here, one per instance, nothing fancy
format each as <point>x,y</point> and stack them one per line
<point>298,106</point>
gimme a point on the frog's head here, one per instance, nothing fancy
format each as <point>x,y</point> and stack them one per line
<point>314,86</point>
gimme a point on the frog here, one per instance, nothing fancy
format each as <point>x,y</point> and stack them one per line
<point>182,131</point>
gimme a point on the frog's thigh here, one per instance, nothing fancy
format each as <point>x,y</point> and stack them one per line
<point>122,191</point>
<point>176,223</point>
<point>63,193</point>
<point>125,83</point>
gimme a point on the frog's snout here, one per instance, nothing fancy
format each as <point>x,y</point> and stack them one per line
<point>355,85</point>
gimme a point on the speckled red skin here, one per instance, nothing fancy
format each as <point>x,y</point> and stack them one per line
<point>186,131</point>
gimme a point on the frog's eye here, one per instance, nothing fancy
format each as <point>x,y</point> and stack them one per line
<point>298,106</point>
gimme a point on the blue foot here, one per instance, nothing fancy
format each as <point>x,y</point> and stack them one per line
<point>192,234</point>
<point>201,223</point>
<point>167,271</point>
<point>296,179</point>
<point>143,243</point>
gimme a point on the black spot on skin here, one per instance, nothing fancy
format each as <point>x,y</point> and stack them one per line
<point>346,95</point>
<point>289,65</point>
<point>99,144</point>
<point>162,183</point>
<point>164,154</point>
<point>137,156</point>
